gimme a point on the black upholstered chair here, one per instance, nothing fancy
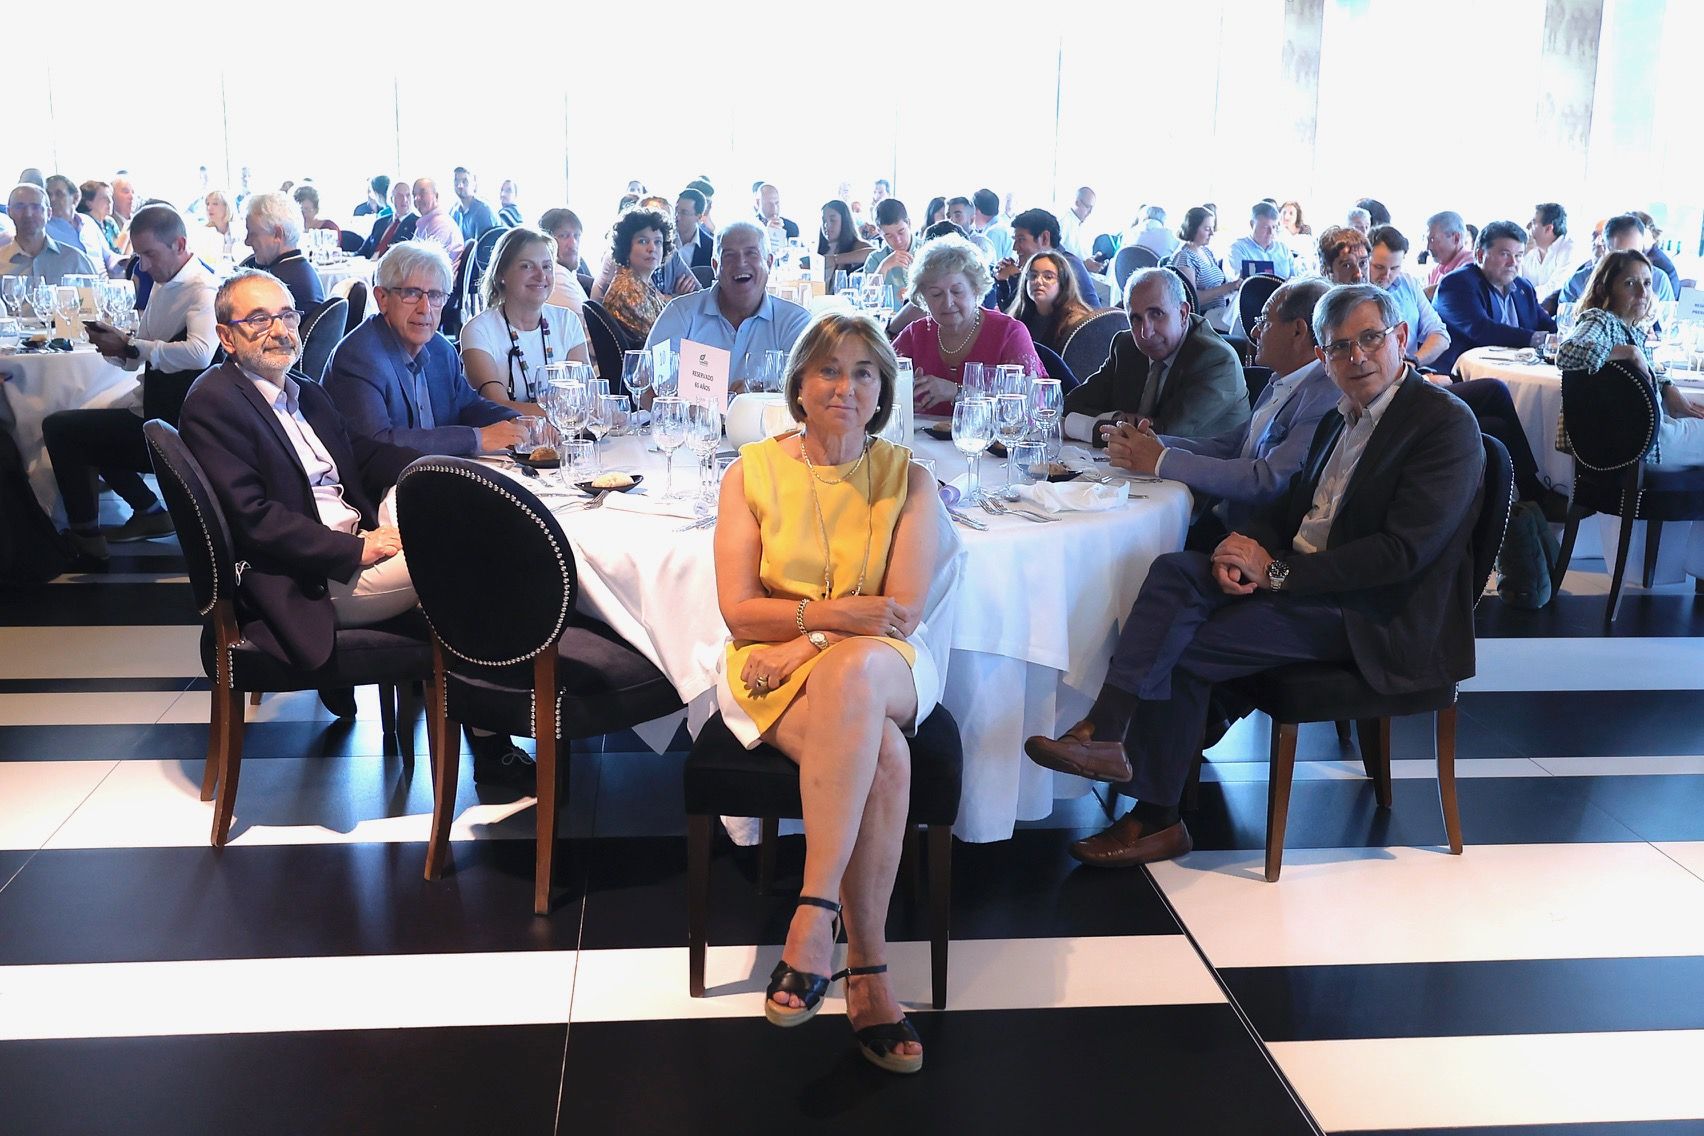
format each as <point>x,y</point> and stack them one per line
<point>321,333</point>
<point>908,314</point>
<point>1611,418</point>
<point>350,241</point>
<point>608,342</point>
<point>1091,343</point>
<point>723,778</point>
<point>357,306</point>
<point>1056,368</point>
<point>1189,291</point>
<point>1128,260</point>
<point>1328,692</point>
<point>510,653</point>
<point>394,654</point>
<point>466,299</point>
<point>1255,379</point>
<point>1252,297</point>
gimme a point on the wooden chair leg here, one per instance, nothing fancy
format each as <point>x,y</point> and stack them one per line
<point>698,837</point>
<point>1653,541</point>
<point>254,698</point>
<point>417,702</point>
<point>230,763</point>
<point>940,908</point>
<point>220,702</point>
<point>1446,741</point>
<point>388,697</point>
<point>544,734</point>
<point>1109,802</point>
<point>1278,795</point>
<point>407,710</point>
<point>911,862</point>
<point>1570,532</point>
<point>1622,545</point>
<point>1375,756</point>
<point>769,836</point>
<point>446,766</point>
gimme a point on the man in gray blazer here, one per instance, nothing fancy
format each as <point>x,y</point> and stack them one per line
<point>1170,368</point>
<point>1366,559</point>
<point>1246,468</point>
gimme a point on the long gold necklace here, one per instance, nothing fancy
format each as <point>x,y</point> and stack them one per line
<point>822,524</point>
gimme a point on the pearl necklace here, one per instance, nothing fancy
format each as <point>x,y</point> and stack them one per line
<point>975,326</point>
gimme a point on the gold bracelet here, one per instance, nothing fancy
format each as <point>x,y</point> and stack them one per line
<point>799,617</point>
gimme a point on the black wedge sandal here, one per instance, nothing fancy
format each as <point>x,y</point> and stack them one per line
<point>879,1043</point>
<point>808,988</point>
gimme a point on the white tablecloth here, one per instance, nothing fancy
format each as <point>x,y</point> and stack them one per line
<point>1031,627</point>
<point>1536,389</point>
<point>35,386</point>
<point>355,268</point>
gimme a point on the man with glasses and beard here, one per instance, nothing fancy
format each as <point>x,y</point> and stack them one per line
<point>302,496</point>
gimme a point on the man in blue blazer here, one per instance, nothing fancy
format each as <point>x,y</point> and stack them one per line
<point>395,378</point>
<point>1488,303</point>
<point>394,225</point>
<point>1248,467</point>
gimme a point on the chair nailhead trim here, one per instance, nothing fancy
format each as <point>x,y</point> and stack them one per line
<point>206,535</point>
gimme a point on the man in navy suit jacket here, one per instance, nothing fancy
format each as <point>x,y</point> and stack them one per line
<point>401,214</point>
<point>1488,303</point>
<point>301,495</point>
<point>395,378</point>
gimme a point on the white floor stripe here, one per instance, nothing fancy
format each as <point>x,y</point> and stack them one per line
<point>85,708</point>
<point>36,797</point>
<point>1400,769</point>
<point>1381,905</point>
<point>288,994</point>
<point>983,974</point>
<point>1450,1082</point>
<point>1588,664</point>
<point>99,652</point>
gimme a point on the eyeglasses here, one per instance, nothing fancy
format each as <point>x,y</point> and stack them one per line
<point>412,296</point>
<point>261,322</point>
<point>1369,341</point>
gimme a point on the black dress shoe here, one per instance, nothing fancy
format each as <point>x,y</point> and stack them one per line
<point>497,760</point>
<point>340,700</point>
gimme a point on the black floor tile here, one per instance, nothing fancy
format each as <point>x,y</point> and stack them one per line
<point>1468,999</point>
<point>1184,1069</point>
<point>639,794</point>
<point>98,604</point>
<point>1025,887</point>
<point>1590,723</point>
<point>80,743</point>
<point>287,901</point>
<point>12,861</point>
<point>1660,807</point>
<point>1642,616</point>
<point>98,685</point>
<point>188,740</point>
<point>451,1080</point>
<point>1343,814</point>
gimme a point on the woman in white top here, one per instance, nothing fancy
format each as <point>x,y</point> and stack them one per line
<point>220,238</point>
<point>506,347</point>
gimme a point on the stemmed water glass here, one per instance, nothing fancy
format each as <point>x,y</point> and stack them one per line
<point>665,368</point>
<point>669,430</point>
<point>565,406</point>
<point>13,291</point>
<point>636,374</point>
<point>42,300</point>
<point>1011,423</point>
<point>703,435</point>
<point>1009,378</point>
<point>121,301</point>
<point>973,429</point>
<point>1047,403</point>
<point>68,302</point>
<point>976,381</point>
<point>617,413</point>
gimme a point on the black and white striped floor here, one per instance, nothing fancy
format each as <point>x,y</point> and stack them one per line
<point>307,980</point>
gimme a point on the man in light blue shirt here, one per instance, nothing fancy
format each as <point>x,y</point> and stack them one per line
<point>996,232</point>
<point>1619,234</point>
<point>736,314</point>
<point>1428,338</point>
<point>1262,251</point>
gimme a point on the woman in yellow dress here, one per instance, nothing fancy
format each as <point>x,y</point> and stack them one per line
<point>826,547</point>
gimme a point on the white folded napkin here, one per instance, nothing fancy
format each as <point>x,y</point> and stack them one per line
<point>1075,496</point>
<point>641,500</point>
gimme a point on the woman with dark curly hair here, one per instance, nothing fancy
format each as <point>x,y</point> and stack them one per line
<point>838,243</point>
<point>642,241</point>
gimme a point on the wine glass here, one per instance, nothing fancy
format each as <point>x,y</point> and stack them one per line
<point>69,304</point>
<point>123,301</point>
<point>974,381</point>
<point>973,429</point>
<point>597,421</point>
<point>42,300</point>
<point>1031,459</point>
<point>636,374</point>
<point>1009,378</point>
<point>615,410</point>
<point>703,435</point>
<point>12,292</point>
<point>774,370</point>
<point>1047,403</point>
<point>1011,423</point>
<point>668,430</point>
<point>565,406</point>
<point>665,366</point>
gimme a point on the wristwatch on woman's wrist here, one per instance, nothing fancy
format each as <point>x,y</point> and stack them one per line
<point>818,640</point>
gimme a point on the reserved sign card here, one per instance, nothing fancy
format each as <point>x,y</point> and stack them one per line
<point>704,374</point>
<point>1691,305</point>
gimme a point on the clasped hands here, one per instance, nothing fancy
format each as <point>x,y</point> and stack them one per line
<point>1239,565</point>
<point>767,668</point>
<point>1133,445</point>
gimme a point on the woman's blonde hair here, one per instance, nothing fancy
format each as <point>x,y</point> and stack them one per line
<point>822,338</point>
<point>944,256</point>
<point>509,247</point>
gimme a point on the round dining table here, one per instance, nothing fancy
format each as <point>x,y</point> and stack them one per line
<point>1027,627</point>
<point>346,268</point>
<point>34,385</point>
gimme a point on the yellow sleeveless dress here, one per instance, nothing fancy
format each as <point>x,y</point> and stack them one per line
<point>778,490</point>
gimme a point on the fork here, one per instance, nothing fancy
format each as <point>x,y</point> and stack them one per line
<point>1001,509</point>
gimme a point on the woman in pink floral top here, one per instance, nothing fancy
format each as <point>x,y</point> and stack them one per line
<point>949,277</point>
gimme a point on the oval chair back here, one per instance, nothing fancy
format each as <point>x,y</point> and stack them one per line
<point>357,298</point>
<point>1091,343</point>
<point>1056,368</point>
<point>1189,291</point>
<point>608,342</point>
<point>1252,297</point>
<point>195,512</point>
<point>1495,505</point>
<point>488,610</point>
<point>1128,260</point>
<point>1610,417</point>
<point>321,334</point>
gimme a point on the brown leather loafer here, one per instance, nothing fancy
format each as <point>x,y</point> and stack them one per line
<point>1078,753</point>
<point>1125,845</point>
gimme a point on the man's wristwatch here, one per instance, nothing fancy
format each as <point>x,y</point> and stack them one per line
<point>131,351</point>
<point>1277,573</point>
<point>818,640</point>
